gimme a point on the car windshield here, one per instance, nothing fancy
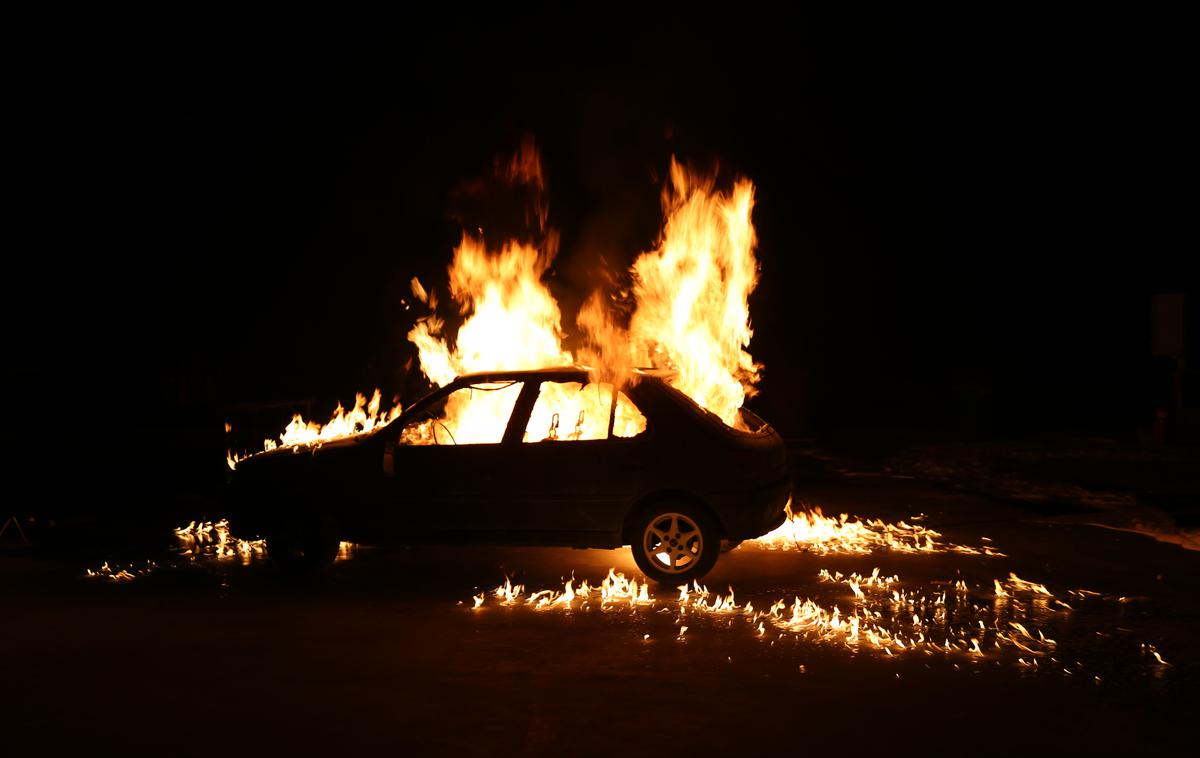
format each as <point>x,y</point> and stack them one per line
<point>477,414</point>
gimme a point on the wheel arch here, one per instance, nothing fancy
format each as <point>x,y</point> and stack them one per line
<point>654,498</point>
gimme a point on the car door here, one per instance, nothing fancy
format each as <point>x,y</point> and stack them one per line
<point>444,467</point>
<point>574,472</point>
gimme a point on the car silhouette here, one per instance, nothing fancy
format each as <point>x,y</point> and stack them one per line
<point>545,457</point>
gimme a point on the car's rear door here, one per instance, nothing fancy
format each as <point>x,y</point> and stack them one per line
<point>573,473</point>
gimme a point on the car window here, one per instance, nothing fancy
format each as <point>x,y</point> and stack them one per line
<point>572,411</point>
<point>473,415</point>
<point>629,420</point>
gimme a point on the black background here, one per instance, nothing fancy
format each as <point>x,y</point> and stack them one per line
<point>962,214</point>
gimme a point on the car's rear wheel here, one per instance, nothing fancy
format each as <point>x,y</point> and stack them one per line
<point>675,542</point>
<point>302,543</point>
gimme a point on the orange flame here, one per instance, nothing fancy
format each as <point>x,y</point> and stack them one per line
<point>692,293</point>
<point>882,617</point>
<point>809,530</point>
<point>690,315</point>
<point>514,322</point>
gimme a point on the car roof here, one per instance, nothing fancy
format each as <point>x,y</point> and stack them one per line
<point>565,373</point>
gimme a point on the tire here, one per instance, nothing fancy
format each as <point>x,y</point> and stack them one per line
<point>302,544</point>
<point>674,542</point>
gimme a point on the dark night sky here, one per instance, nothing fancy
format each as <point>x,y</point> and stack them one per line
<point>227,207</point>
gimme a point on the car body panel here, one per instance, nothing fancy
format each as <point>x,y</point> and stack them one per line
<point>553,492</point>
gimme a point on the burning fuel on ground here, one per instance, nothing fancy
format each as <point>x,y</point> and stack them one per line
<point>1010,621</point>
<point>811,531</point>
<point>872,615</point>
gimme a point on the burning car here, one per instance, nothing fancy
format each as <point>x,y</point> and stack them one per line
<point>545,457</point>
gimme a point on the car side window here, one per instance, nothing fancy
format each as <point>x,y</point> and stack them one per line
<point>473,415</point>
<point>629,421</point>
<point>571,411</point>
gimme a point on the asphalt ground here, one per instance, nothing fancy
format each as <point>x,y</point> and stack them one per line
<point>386,650</point>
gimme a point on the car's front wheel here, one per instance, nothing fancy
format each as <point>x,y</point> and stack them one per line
<point>675,542</point>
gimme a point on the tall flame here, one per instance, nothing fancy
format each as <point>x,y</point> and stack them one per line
<point>692,312</point>
<point>513,321</point>
<point>690,315</point>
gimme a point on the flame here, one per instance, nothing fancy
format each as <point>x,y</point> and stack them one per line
<point>199,540</point>
<point>690,315</point>
<point>811,531</point>
<point>615,588</point>
<point>207,539</point>
<point>365,416</point>
<point>513,321</point>
<point>692,292</point>
<point>569,410</point>
<point>1019,584</point>
<point>883,617</point>
<point>119,575</point>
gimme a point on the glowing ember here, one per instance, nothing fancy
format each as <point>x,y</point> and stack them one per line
<point>811,531</point>
<point>1157,656</point>
<point>346,551</point>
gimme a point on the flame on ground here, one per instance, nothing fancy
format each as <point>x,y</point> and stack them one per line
<point>878,615</point>
<point>811,531</point>
<point>119,575</point>
<point>204,541</point>
<point>208,539</point>
<point>614,589</point>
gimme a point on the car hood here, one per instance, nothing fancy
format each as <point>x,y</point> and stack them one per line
<point>296,453</point>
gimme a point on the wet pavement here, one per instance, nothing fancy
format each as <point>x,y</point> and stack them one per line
<point>388,651</point>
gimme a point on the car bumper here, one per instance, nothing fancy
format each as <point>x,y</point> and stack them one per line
<point>753,514</point>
